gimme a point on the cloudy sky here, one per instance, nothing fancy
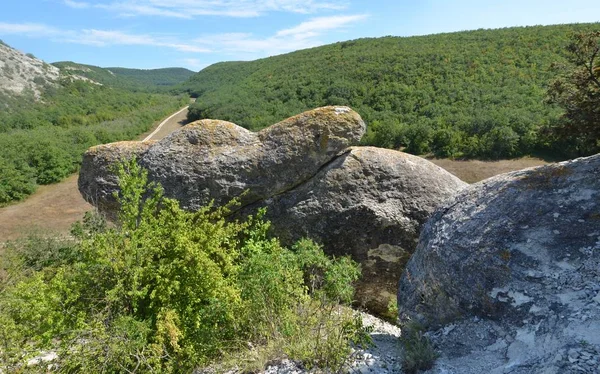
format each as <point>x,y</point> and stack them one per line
<point>197,33</point>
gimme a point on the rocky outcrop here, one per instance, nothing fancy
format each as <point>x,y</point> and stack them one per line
<point>22,73</point>
<point>366,202</point>
<point>212,160</point>
<point>369,203</point>
<point>216,160</point>
<point>510,273</point>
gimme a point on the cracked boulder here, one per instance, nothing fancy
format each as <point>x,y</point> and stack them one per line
<point>365,202</point>
<point>512,266</point>
<point>369,203</point>
<point>217,160</point>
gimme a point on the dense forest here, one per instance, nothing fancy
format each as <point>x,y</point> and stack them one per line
<point>478,94</point>
<point>42,141</point>
<point>149,80</point>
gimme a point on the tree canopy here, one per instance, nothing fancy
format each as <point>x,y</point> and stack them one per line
<point>577,90</point>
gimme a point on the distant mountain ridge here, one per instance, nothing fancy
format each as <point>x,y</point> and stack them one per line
<point>136,79</point>
<point>24,75</point>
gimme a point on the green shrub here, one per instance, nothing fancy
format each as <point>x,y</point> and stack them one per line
<point>417,350</point>
<point>16,181</point>
<point>167,291</point>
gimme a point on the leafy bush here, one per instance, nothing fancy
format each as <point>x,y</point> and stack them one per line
<point>168,290</point>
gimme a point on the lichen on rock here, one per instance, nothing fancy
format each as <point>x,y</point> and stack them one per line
<point>513,264</point>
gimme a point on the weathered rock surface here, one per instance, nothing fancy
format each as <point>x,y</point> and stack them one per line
<point>217,160</point>
<point>21,73</point>
<point>97,180</point>
<point>366,202</point>
<point>369,203</point>
<point>510,273</point>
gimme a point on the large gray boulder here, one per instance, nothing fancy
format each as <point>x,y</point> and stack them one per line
<point>510,272</point>
<point>369,203</point>
<point>212,160</point>
<point>365,202</point>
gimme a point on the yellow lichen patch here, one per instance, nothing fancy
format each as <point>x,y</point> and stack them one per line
<point>323,115</point>
<point>505,255</point>
<point>545,176</point>
<point>119,150</point>
<point>324,140</point>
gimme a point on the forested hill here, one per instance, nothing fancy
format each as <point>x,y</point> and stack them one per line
<point>132,79</point>
<point>474,93</point>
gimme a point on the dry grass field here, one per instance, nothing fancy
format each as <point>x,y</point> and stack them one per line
<point>472,171</point>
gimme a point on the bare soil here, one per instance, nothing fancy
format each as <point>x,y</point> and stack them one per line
<point>54,208</point>
<point>472,171</point>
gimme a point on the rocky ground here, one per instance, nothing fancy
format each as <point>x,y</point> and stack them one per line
<point>21,72</point>
<point>509,274</point>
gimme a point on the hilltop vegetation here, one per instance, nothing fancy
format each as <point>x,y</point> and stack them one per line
<point>151,80</point>
<point>43,134</point>
<point>478,94</point>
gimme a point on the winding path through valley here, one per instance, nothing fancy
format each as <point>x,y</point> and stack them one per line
<point>54,208</point>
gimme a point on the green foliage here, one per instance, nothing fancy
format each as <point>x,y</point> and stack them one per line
<point>168,291</point>
<point>417,351</point>
<point>43,142</point>
<point>577,91</point>
<point>16,180</point>
<point>441,93</point>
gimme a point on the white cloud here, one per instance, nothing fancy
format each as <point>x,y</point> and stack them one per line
<point>102,38</point>
<point>304,35</point>
<point>28,29</point>
<point>98,38</point>
<point>236,45</point>
<point>316,25</point>
<point>227,8</point>
<point>77,4</point>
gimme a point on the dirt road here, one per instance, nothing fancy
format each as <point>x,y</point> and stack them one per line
<point>54,208</point>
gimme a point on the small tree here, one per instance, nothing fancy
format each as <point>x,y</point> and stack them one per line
<point>577,90</point>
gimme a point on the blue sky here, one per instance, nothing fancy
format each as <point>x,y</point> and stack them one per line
<point>196,33</point>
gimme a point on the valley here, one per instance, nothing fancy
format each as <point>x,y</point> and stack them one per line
<point>386,205</point>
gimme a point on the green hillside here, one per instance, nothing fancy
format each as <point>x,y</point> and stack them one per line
<point>131,79</point>
<point>466,94</point>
